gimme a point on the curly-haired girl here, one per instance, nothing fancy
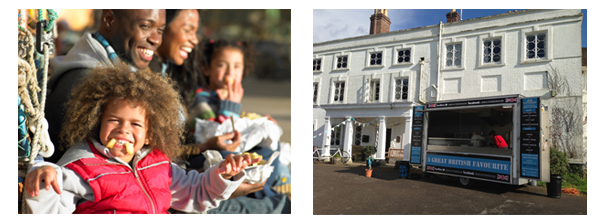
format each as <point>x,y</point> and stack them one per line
<point>125,128</point>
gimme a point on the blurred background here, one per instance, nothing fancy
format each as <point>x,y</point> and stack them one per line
<point>266,91</point>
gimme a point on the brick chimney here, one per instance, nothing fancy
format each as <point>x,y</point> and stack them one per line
<point>452,16</point>
<point>380,23</point>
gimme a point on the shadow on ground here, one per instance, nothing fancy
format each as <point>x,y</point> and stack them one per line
<point>389,173</point>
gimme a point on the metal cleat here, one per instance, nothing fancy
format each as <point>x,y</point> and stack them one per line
<point>44,37</point>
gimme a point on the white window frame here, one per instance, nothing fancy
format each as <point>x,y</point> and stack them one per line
<point>317,80</point>
<point>394,87</point>
<point>481,50</point>
<point>322,62</point>
<point>337,133</point>
<point>463,54</point>
<point>339,79</point>
<point>396,55</point>
<point>336,56</point>
<point>549,48</point>
<point>403,74</point>
<point>373,91</point>
<point>315,89</point>
<point>368,59</point>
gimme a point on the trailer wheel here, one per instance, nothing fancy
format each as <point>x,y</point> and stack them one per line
<point>465,182</point>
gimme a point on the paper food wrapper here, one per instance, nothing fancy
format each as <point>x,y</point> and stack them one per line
<point>260,173</point>
<point>254,132</point>
<point>254,174</point>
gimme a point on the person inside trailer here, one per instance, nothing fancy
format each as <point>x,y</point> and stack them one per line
<point>498,140</point>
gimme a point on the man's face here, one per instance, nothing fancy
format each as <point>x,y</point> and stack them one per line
<point>137,34</point>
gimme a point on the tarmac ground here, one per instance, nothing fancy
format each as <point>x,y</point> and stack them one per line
<point>344,189</point>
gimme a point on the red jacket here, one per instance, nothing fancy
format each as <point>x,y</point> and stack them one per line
<point>121,189</point>
<point>499,141</point>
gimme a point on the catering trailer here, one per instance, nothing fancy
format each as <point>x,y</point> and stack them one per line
<point>452,138</point>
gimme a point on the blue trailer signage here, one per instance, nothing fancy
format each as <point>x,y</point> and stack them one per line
<point>485,167</point>
<point>530,138</point>
<point>417,136</point>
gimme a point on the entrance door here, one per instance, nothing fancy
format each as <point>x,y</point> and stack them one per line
<point>337,138</point>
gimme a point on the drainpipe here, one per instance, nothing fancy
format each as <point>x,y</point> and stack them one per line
<point>436,87</point>
<point>421,100</point>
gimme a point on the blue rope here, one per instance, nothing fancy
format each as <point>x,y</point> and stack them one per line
<point>23,135</point>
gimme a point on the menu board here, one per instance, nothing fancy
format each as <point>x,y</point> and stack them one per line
<point>417,136</point>
<point>530,138</point>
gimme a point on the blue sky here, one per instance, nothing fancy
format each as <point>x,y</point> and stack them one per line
<point>342,23</point>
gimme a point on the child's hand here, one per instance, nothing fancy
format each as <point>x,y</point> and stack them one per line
<point>45,174</point>
<point>234,93</point>
<point>270,118</point>
<point>219,142</point>
<point>234,164</point>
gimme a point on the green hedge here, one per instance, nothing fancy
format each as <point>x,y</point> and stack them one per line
<point>559,162</point>
<point>574,176</point>
<point>578,170</point>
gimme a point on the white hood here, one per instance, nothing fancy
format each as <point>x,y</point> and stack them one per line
<point>87,53</point>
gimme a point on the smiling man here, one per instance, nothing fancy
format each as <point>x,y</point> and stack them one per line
<point>129,36</point>
<point>134,34</point>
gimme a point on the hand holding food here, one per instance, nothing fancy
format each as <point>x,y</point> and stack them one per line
<point>229,80</point>
<point>234,164</point>
<point>255,156</point>
<point>233,90</point>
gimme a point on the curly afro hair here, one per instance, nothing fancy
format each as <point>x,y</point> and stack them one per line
<point>164,111</point>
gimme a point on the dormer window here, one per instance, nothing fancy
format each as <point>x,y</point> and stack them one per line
<point>536,45</point>
<point>453,55</point>
<point>375,59</point>
<point>342,62</point>
<point>492,51</point>
<point>316,64</point>
<point>403,56</point>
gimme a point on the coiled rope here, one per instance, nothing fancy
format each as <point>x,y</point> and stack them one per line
<point>29,88</point>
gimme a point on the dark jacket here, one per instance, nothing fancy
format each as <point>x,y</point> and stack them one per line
<point>66,73</point>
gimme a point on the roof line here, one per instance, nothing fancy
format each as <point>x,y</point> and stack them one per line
<point>430,26</point>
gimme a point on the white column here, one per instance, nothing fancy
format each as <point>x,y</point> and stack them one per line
<point>408,137</point>
<point>382,138</point>
<point>326,143</point>
<point>348,136</point>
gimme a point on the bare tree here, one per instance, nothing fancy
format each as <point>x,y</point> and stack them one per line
<point>566,116</point>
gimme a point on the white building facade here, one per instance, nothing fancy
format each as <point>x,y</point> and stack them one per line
<point>365,87</point>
